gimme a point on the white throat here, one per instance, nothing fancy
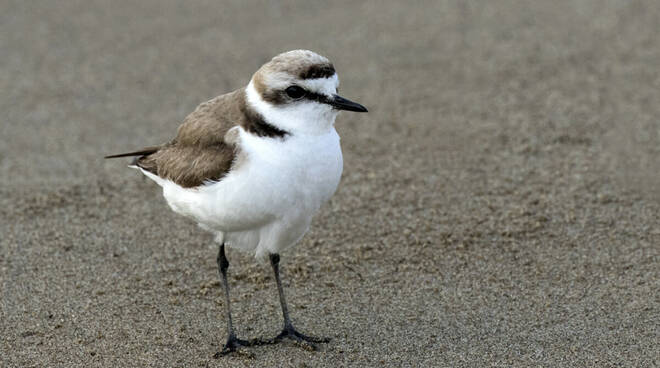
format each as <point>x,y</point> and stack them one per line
<point>304,118</point>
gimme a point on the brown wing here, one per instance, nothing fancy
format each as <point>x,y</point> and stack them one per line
<point>190,166</point>
<point>199,153</point>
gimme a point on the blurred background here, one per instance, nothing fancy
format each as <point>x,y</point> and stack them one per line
<point>500,201</point>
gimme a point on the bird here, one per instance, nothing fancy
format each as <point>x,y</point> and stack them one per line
<point>254,166</point>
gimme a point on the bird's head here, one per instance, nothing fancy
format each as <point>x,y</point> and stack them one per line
<point>297,92</point>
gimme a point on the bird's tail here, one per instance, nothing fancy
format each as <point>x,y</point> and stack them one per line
<point>143,152</point>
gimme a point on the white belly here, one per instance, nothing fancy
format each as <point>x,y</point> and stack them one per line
<point>267,202</point>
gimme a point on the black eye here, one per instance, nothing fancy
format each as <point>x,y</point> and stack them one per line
<point>295,92</point>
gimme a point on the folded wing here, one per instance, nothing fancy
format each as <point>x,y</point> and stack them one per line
<point>199,153</point>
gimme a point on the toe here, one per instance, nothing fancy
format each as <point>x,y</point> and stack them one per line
<point>308,342</point>
<point>312,339</point>
<point>235,345</point>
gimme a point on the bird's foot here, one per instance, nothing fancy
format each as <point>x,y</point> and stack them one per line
<point>308,342</point>
<point>236,345</point>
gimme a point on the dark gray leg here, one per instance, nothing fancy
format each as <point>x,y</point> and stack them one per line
<point>289,331</point>
<point>233,343</point>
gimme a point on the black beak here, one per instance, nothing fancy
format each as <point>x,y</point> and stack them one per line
<point>341,103</point>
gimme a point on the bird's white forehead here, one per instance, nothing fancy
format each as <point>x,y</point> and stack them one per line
<point>326,86</point>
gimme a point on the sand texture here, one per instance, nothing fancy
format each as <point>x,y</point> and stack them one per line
<point>500,203</point>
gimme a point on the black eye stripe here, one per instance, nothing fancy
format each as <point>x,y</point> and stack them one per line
<point>313,96</point>
<point>299,93</point>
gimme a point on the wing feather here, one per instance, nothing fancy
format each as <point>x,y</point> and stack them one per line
<point>200,152</point>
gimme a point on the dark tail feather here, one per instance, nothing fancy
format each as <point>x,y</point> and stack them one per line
<point>142,152</point>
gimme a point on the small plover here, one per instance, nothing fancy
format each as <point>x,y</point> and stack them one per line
<point>254,166</point>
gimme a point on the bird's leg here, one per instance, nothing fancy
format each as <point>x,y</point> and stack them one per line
<point>233,343</point>
<point>289,331</point>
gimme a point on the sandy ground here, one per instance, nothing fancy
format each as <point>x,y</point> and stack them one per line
<point>499,207</point>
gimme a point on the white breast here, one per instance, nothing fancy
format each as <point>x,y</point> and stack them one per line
<point>267,202</point>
